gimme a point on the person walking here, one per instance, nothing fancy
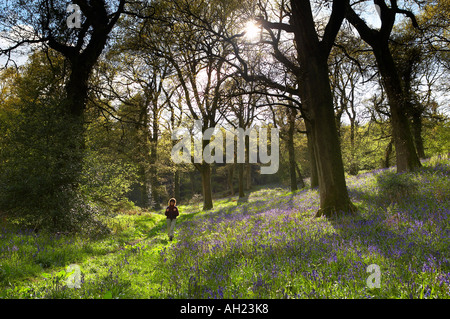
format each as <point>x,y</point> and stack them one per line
<point>172,214</point>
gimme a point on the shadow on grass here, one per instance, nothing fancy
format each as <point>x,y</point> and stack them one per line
<point>401,191</point>
<point>394,245</point>
<point>398,201</point>
<point>309,253</point>
<point>389,237</point>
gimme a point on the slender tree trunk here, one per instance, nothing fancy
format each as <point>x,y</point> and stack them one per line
<point>153,164</point>
<point>241,179</point>
<point>176,187</point>
<point>292,171</point>
<point>177,176</point>
<point>338,119</point>
<point>144,187</point>
<point>241,166</point>
<point>417,130</point>
<point>300,177</point>
<point>291,150</point>
<point>154,179</point>
<point>387,154</point>
<point>248,165</point>
<point>353,164</point>
<point>192,178</point>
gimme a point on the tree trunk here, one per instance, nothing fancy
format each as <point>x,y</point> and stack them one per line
<point>290,141</point>
<point>248,165</point>
<point>417,130</point>
<point>154,187</point>
<point>387,154</point>
<point>300,177</point>
<point>407,159</point>
<point>353,164</point>
<point>292,171</point>
<point>248,176</point>
<point>316,94</point>
<point>205,171</point>
<point>176,184</point>
<point>230,173</point>
<point>144,187</point>
<point>334,197</point>
<point>414,109</point>
<point>192,178</point>
<point>154,174</point>
<point>77,87</point>
<point>241,179</point>
<point>73,153</point>
<point>314,178</point>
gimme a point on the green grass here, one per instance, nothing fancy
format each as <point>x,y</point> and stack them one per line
<point>268,246</point>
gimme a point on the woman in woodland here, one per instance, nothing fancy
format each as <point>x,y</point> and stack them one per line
<point>172,214</point>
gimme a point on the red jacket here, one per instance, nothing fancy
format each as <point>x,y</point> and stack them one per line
<point>172,212</point>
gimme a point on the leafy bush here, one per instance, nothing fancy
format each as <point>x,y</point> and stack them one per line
<point>396,187</point>
<point>106,181</point>
<point>51,176</point>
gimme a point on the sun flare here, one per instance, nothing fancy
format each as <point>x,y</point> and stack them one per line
<point>252,30</point>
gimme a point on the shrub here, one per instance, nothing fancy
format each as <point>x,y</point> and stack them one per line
<point>395,188</point>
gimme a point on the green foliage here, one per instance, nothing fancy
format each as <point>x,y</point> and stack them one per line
<point>396,187</point>
<point>39,159</point>
<point>368,149</point>
<point>106,182</point>
<point>52,174</point>
<point>437,138</point>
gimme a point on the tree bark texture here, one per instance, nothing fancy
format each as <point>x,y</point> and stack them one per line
<point>316,94</point>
